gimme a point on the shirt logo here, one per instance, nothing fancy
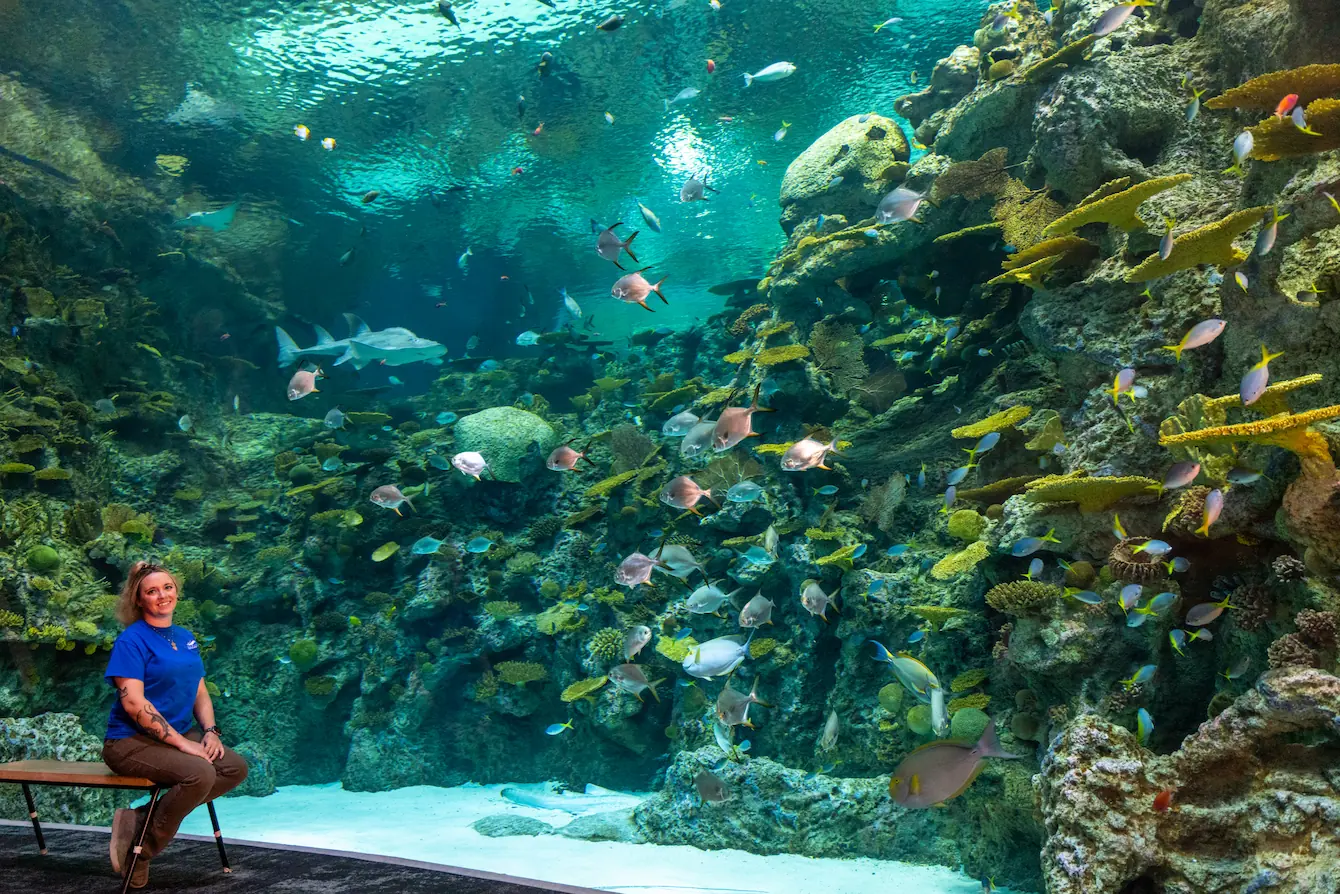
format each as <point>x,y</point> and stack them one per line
<point>192,645</point>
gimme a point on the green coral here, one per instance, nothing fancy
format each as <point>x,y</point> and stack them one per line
<point>760,647</point>
<point>954,564</point>
<point>303,653</point>
<point>560,618</point>
<point>821,534</point>
<point>16,469</point>
<point>919,719</point>
<point>607,644</point>
<point>936,614</point>
<point>677,649</point>
<point>10,619</point>
<point>780,354</point>
<point>583,688</point>
<point>1092,494</point>
<point>42,559</point>
<point>968,679</point>
<point>53,473</point>
<point>602,489</point>
<point>1005,419</point>
<point>523,563</point>
<point>499,609</point>
<point>966,525</point>
<point>842,557</point>
<point>237,538</point>
<point>967,724</point>
<point>891,697</point>
<point>977,701</point>
<point>87,628</point>
<point>319,686</point>
<point>519,673</point>
<point>1021,596</point>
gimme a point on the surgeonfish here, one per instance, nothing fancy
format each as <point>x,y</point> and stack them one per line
<point>915,676</point>
<point>710,787</point>
<point>941,771</point>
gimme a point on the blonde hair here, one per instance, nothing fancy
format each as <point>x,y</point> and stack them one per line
<point>128,609</point>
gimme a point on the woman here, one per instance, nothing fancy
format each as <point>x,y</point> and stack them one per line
<point>160,683</point>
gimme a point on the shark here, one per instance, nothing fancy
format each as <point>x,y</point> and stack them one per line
<point>218,220</point>
<point>393,346</point>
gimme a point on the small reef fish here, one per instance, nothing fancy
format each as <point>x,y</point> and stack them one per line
<point>733,707</point>
<point>1180,475</point>
<point>184,423</point>
<point>608,245</point>
<point>634,289</point>
<point>717,657</point>
<point>1197,336</point>
<point>956,477</point>
<point>710,787</point>
<point>630,678</point>
<point>815,600</point>
<point>1166,243</point>
<point>302,131</point>
<point>1115,17</point>
<point>951,494</point>
<point>680,424</point>
<point>1241,279</point>
<point>328,143</point>
<point>897,550</point>
<point>650,218</point>
<point>218,220</point>
<point>1154,548</point>
<point>371,196</point>
<point>807,453</point>
<point>634,569</point>
<point>438,461</point>
<point>684,493</point>
<point>941,771</point>
<point>1242,149</point>
<point>470,463</point>
<point>1088,597</point>
<point>744,492</point>
<point>388,496</point>
<point>915,676</point>
<point>1179,638</point>
<point>694,190</point>
<point>735,424</point>
<point>479,545</point>
<point>1144,725</point>
<point>707,600</point>
<point>426,546</point>
<point>688,94</point>
<point>774,72</point>
<point>827,490</point>
<point>303,383</point>
<point>564,459</point>
<point>1029,545</point>
<point>554,729</point>
<point>1265,240</point>
<point>1122,383</point>
<point>636,639</point>
<point>1299,120</point>
<point>756,612</point>
<point>698,438</point>
<point>1143,675</point>
<point>832,727</point>
<point>1206,612</point>
<point>332,464</point>
<point>899,205</point>
<point>1244,475</point>
<point>1286,105</point>
<point>984,444</point>
<point>612,23</point>
<point>1214,504</point>
<point>1035,568</point>
<point>1163,800</point>
<point>1193,107</point>
<point>1237,668</point>
<point>886,23</point>
<point>463,261</point>
<point>780,133</point>
<point>1129,596</point>
<point>334,419</point>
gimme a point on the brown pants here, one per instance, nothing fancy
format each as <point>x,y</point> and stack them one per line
<point>194,780</point>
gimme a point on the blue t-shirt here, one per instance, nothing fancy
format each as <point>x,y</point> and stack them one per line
<point>171,678</point>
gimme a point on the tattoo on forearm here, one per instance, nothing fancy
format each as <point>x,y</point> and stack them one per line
<point>153,723</point>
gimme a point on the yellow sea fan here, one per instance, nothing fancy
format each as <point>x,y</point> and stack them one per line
<point>1092,494</point>
<point>1001,421</point>
<point>1277,138</point>
<point>1309,82</point>
<point>957,563</point>
<point>1118,209</point>
<point>1210,244</point>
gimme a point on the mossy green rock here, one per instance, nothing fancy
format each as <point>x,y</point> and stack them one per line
<point>968,724</point>
<point>891,697</point>
<point>865,155</point>
<point>303,653</point>
<point>512,441</point>
<point>42,559</point>
<point>919,719</point>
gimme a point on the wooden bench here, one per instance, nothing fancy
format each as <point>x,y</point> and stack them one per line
<point>94,774</point>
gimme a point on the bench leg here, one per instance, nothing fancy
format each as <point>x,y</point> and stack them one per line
<point>218,837</point>
<point>32,814</point>
<point>139,839</point>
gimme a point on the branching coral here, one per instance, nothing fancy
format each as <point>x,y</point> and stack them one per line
<point>1002,421</point>
<point>974,179</point>
<point>558,619</point>
<point>977,700</point>
<point>1021,596</point>
<point>986,229</point>
<point>1071,52</point>
<point>583,688</point>
<point>1210,244</point>
<point>840,558</point>
<point>1110,188</point>
<point>750,313</point>
<point>1307,83</point>
<point>774,356</point>
<point>1277,138</point>
<point>602,489</point>
<point>1287,430</point>
<point>607,644</point>
<point>968,679</point>
<point>1072,250</point>
<point>1030,275</point>
<point>1092,494</point>
<point>997,491</point>
<point>960,562</point>
<point>1118,209</point>
<point>519,673</point>
<point>938,615</point>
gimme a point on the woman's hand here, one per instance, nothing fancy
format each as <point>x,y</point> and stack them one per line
<point>213,746</point>
<point>196,749</point>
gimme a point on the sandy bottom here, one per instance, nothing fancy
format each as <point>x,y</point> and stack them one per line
<point>433,824</point>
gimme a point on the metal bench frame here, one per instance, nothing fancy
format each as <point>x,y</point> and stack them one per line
<point>85,775</point>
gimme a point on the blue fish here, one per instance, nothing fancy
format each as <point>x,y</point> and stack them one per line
<point>917,636</point>
<point>819,224</point>
<point>682,633</point>
<point>438,461</point>
<point>874,588</point>
<point>1144,725</point>
<point>1088,597</point>
<point>426,546</point>
<point>826,491</point>
<point>1029,545</point>
<point>957,476</point>
<point>858,552</point>
<point>479,545</point>
<point>951,494</point>
<point>897,550</point>
<point>554,729</point>
<point>757,555</point>
<point>332,464</point>
<point>907,356</point>
<point>921,477</point>
<point>1034,568</point>
<point>989,440</point>
<point>446,417</point>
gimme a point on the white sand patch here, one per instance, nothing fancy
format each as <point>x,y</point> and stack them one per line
<point>433,825</point>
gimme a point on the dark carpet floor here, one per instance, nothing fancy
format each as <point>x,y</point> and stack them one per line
<point>76,863</point>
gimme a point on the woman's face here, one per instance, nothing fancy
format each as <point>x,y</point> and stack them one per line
<point>158,594</point>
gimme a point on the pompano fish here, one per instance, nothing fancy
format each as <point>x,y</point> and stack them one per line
<point>470,463</point>
<point>807,453</point>
<point>676,560</point>
<point>303,383</point>
<point>735,424</point>
<point>630,678</point>
<point>684,493</point>
<point>694,190</point>
<point>564,458</point>
<point>708,599</point>
<point>774,72</point>
<point>680,424</point>
<point>218,220</point>
<point>388,496</point>
<point>941,771</point>
<point>634,289</point>
<point>334,419</point>
<point>733,707</point>
<point>698,438</point>
<point>1115,17</point>
<point>1197,336</point>
<point>899,205</point>
<point>609,245</point>
<point>815,600</point>
<point>634,569</point>
<point>756,612</point>
<point>636,639</point>
<point>717,657</point>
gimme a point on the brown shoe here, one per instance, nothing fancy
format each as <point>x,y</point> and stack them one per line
<point>123,837</point>
<point>140,877</point>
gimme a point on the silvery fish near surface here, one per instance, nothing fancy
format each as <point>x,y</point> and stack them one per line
<point>694,190</point>
<point>686,95</point>
<point>218,220</point>
<point>650,218</point>
<point>608,245</point>
<point>634,289</point>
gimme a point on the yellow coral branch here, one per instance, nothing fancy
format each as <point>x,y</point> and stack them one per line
<point>1118,209</point>
<point>1277,138</point>
<point>1287,430</point>
<point>996,422</point>
<point>1066,249</point>
<point>1210,244</point>
<point>1092,494</point>
<point>1309,82</point>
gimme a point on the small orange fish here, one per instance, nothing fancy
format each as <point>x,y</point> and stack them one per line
<point>327,143</point>
<point>711,66</point>
<point>518,170</point>
<point>1163,800</point>
<point>762,162</point>
<point>1286,105</point>
<point>537,131</point>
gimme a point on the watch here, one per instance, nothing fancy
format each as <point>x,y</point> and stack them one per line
<point>212,729</point>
